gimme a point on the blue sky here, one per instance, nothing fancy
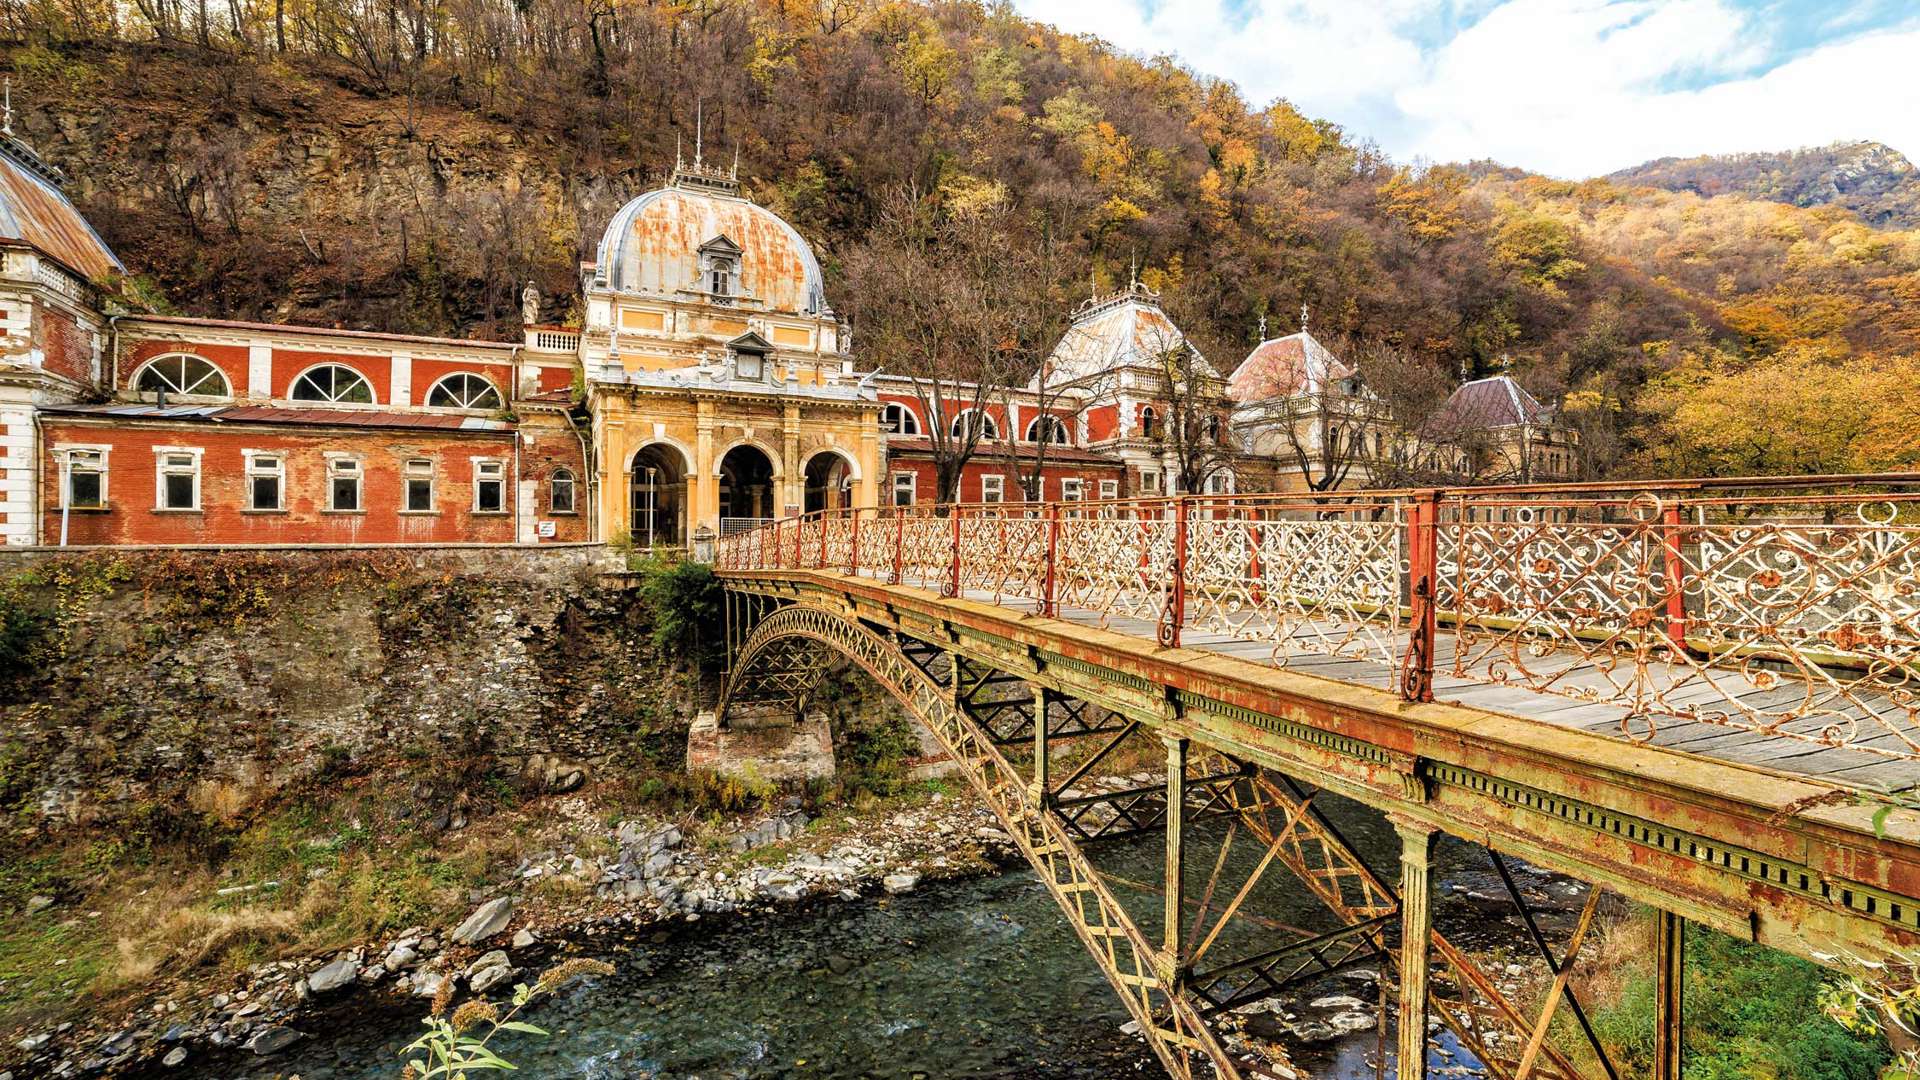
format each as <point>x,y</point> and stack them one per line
<point>1567,87</point>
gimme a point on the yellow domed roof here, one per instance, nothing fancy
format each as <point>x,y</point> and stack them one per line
<point>653,246</point>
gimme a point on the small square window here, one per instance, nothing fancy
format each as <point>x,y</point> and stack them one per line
<point>489,487</point>
<point>1071,488</point>
<point>1109,489</point>
<point>86,479</point>
<point>419,478</point>
<point>343,486</point>
<point>993,489</point>
<point>903,488</point>
<point>179,482</point>
<point>266,474</point>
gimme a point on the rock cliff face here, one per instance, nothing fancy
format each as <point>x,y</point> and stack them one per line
<point>280,194</point>
<point>1875,181</point>
<point>211,682</point>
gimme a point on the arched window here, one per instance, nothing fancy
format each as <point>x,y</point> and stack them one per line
<point>1212,427</point>
<point>897,419</point>
<point>182,374</point>
<point>1149,422</point>
<point>974,420</point>
<point>333,383</point>
<point>463,390</point>
<point>560,486</point>
<point>1048,429</point>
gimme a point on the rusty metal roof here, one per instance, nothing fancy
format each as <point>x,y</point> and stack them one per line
<point>34,211</point>
<point>1285,366</point>
<point>273,414</point>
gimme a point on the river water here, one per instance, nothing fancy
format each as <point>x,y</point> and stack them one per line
<point>973,978</point>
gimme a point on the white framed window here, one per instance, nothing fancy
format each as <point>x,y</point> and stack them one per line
<point>176,478</point>
<point>1220,483</point>
<point>464,390</point>
<point>904,488</point>
<point>343,483</point>
<point>971,420</point>
<point>560,491</point>
<point>750,365</point>
<point>489,486</point>
<point>266,480</point>
<point>1050,430</point>
<point>1072,488</point>
<point>86,477</point>
<point>182,375</point>
<point>335,384</point>
<point>1109,489</point>
<point>897,419</point>
<point>417,481</point>
<point>1150,482</point>
<point>993,488</point>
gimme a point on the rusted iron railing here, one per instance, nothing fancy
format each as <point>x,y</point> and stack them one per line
<point>1788,607</point>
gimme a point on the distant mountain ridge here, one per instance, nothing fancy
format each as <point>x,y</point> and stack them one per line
<point>1871,179</point>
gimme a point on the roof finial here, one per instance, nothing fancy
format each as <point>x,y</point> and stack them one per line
<point>678,158</point>
<point>6,124</point>
<point>1263,326</point>
<point>699,124</point>
<point>1303,317</point>
<point>1133,271</point>
<point>1093,282</point>
<point>735,173</point>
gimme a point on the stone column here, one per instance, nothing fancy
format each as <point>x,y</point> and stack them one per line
<point>1416,930</point>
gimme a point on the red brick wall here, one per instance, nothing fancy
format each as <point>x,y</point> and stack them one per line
<point>1103,422</point>
<point>543,451</point>
<point>428,372</point>
<point>131,518</point>
<point>230,359</point>
<point>378,370</point>
<point>927,487</point>
<point>64,347</point>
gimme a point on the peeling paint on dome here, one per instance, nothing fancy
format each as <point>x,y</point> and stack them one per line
<point>652,247</point>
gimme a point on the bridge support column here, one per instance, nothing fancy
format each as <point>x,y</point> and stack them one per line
<point>1176,852</point>
<point>1042,783</point>
<point>1416,930</point>
<point>1669,965</point>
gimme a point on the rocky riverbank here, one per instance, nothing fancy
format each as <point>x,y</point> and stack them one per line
<point>652,876</point>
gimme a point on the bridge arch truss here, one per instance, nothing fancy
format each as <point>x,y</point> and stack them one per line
<point>1028,743</point>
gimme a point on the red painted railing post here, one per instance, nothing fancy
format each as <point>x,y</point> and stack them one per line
<point>1423,568</point>
<point>1671,540</point>
<point>1049,603</point>
<point>824,517</point>
<point>1176,610</point>
<point>797,531</point>
<point>952,587</point>
<point>853,543</point>
<point>899,543</point>
<point>1255,534</point>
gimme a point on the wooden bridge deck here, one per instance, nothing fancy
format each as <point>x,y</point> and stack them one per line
<point>1793,756</point>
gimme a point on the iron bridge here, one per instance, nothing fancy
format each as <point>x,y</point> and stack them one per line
<point>1697,695</point>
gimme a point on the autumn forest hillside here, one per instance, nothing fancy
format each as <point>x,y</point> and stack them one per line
<point>404,164</point>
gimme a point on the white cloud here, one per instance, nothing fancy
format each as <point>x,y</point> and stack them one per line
<point>1569,87</point>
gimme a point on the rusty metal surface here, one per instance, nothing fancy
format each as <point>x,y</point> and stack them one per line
<point>270,414</point>
<point>1791,616</point>
<point>34,211</point>
<point>1736,848</point>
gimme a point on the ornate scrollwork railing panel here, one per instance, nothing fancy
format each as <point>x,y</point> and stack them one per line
<point>1313,582</point>
<point>1115,561</point>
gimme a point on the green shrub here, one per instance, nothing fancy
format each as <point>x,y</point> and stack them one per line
<point>684,599</point>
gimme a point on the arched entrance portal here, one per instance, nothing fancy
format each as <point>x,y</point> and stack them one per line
<point>658,481</point>
<point>829,482</point>
<point>746,489</point>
